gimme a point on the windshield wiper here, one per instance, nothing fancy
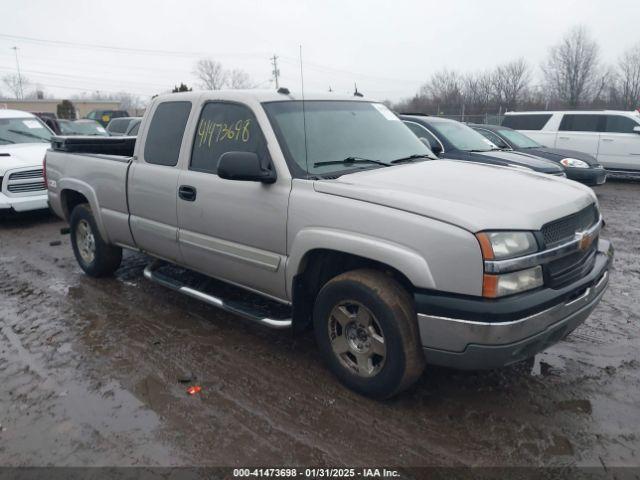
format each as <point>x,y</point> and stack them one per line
<point>5,140</point>
<point>28,134</point>
<point>411,158</point>
<point>350,160</point>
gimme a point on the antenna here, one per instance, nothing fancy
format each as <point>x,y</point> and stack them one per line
<point>304,117</point>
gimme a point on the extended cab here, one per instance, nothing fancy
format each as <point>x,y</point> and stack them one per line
<point>332,211</point>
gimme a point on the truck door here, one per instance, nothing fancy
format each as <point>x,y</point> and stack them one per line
<point>619,144</point>
<point>153,182</point>
<point>229,229</point>
<point>580,132</point>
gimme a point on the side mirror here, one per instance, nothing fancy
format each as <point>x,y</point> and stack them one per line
<point>244,166</point>
<point>435,148</point>
<point>636,129</point>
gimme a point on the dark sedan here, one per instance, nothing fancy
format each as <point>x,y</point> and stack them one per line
<point>454,140</point>
<point>579,166</point>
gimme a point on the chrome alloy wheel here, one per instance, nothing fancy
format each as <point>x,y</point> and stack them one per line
<point>357,338</point>
<point>85,241</point>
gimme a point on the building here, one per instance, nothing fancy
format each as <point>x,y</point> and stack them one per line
<point>49,105</point>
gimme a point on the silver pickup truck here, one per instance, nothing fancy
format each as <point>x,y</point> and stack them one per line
<point>331,211</point>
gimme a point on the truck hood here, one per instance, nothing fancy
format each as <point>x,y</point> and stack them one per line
<point>472,196</point>
<point>502,157</point>
<point>22,155</point>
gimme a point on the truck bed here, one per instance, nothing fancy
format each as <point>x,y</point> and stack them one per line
<point>122,146</point>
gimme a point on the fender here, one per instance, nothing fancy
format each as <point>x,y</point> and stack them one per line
<point>400,257</point>
<point>90,194</point>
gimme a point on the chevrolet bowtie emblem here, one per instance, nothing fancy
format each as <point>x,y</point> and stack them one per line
<point>584,240</point>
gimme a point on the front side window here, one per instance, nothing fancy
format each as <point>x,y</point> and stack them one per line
<point>535,121</point>
<point>580,123</point>
<point>225,127</point>
<point>461,136</point>
<point>620,124</point>
<point>421,132</point>
<point>492,137</point>
<point>23,130</point>
<point>518,139</point>
<point>339,130</point>
<point>162,146</point>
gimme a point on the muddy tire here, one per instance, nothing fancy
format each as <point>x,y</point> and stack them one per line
<point>366,329</point>
<point>96,257</point>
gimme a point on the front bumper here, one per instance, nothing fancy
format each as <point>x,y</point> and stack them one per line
<point>588,176</point>
<point>23,203</point>
<point>484,334</point>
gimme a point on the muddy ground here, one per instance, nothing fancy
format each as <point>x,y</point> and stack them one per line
<point>90,369</point>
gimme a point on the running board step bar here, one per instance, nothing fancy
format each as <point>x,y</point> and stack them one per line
<point>151,273</point>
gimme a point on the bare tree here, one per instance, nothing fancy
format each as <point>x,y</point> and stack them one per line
<point>211,74</point>
<point>16,84</point>
<point>571,69</point>
<point>629,77</point>
<point>510,81</point>
<point>238,79</point>
<point>444,88</point>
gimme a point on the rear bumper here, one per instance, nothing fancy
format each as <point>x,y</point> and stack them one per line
<point>588,176</point>
<point>23,204</point>
<point>474,338</point>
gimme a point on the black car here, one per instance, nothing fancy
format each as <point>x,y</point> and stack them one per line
<point>579,166</point>
<point>454,140</point>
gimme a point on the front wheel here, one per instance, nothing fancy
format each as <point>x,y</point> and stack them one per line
<point>366,329</point>
<point>96,257</point>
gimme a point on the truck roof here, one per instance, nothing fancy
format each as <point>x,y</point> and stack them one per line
<point>258,95</point>
<point>6,113</point>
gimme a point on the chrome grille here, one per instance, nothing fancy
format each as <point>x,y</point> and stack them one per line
<point>26,174</point>
<point>26,187</point>
<point>565,228</point>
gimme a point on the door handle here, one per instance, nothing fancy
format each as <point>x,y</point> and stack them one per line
<point>563,138</point>
<point>186,192</point>
<point>607,139</point>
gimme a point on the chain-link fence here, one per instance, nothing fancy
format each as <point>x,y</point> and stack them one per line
<point>486,118</point>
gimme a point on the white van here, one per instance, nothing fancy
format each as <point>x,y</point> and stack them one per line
<point>612,136</point>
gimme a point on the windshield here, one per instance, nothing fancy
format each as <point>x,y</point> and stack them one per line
<point>518,139</point>
<point>462,137</point>
<point>339,130</point>
<point>23,130</point>
<point>89,128</point>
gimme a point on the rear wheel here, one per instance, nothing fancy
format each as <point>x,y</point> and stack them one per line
<point>96,257</point>
<point>366,329</point>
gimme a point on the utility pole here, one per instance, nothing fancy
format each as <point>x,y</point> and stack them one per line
<point>19,75</point>
<point>276,72</point>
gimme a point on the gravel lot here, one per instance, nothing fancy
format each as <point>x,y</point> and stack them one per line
<point>90,374</point>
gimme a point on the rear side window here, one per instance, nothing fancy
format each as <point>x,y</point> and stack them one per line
<point>118,126</point>
<point>162,146</point>
<point>581,123</point>
<point>620,124</point>
<point>225,127</point>
<point>134,131</point>
<point>526,122</point>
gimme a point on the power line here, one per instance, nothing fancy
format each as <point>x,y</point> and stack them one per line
<point>140,51</point>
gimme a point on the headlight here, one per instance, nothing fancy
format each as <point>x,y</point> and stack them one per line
<point>494,286</point>
<point>574,163</point>
<point>501,245</point>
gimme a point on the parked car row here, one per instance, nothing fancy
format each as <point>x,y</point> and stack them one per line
<point>611,137</point>
<point>333,214</point>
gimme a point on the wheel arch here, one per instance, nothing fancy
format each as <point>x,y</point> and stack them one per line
<point>74,193</point>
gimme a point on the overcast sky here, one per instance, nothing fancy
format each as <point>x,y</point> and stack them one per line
<point>388,47</point>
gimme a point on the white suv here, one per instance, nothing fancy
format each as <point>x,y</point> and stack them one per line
<point>612,136</point>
